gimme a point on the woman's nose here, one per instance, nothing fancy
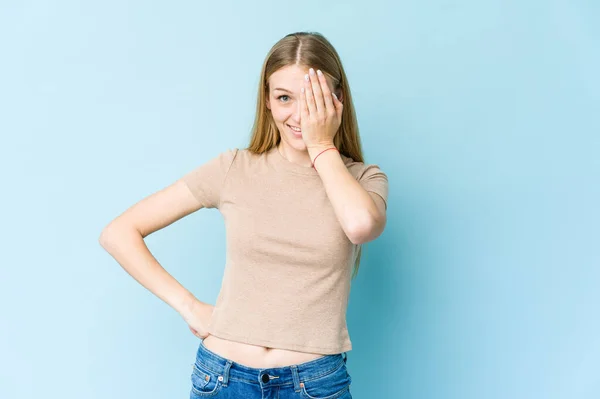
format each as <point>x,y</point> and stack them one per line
<point>297,113</point>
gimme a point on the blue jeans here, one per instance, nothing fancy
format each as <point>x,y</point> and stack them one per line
<point>322,378</point>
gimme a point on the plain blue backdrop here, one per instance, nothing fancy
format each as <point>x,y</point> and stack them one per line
<point>484,115</point>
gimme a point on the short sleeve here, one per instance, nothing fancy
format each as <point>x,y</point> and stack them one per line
<point>374,180</point>
<point>206,181</point>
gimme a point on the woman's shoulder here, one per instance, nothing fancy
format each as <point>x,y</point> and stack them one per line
<point>236,153</point>
<point>242,157</point>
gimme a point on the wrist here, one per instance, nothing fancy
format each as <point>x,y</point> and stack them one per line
<point>316,153</point>
<point>319,147</point>
<point>315,150</point>
<point>187,304</point>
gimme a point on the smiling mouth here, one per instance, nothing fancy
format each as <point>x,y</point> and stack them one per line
<point>295,129</point>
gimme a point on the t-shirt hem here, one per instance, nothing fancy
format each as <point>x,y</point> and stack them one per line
<point>282,345</point>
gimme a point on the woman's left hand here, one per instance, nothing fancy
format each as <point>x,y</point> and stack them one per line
<point>321,112</point>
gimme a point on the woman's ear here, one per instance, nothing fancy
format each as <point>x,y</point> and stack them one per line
<point>268,104</point>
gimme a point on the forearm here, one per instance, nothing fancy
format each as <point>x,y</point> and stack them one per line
<point>127,247</point>
<point>352,204</point>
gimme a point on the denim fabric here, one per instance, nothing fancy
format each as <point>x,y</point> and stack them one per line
<point>214,376</point>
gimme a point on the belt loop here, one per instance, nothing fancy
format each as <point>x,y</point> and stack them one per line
<point>345,355</point>
<point>295,377</point>
<point>226,372</point>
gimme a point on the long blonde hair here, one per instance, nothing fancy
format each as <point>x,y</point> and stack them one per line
<point>306,49</point>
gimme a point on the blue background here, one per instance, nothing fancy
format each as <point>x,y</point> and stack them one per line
<point>484,115</point>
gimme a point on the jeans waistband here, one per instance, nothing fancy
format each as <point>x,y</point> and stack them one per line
<point>292,374</point>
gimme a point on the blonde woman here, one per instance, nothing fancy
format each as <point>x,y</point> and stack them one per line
<point>298,203</point>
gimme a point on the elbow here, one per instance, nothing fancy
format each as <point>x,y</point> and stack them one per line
<point>367,230</point>
<point>359,235</point>
<point>108,234</point>
<point>104,238</point>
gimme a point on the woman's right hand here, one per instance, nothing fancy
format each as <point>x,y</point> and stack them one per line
<point>197,316</point>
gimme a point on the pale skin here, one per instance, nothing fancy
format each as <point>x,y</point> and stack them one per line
<point>360,213</point>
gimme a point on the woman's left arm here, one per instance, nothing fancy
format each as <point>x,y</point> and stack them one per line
<point>361,213</point>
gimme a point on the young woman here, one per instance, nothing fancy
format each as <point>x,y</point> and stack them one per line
<point>297,204</point>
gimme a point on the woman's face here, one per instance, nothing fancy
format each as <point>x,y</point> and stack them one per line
<point>284,102</point>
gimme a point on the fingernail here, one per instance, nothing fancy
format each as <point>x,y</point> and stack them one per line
<point>334,96</point>
<point>319,72</point>
<point>306,77</point>
<point>311,71</point>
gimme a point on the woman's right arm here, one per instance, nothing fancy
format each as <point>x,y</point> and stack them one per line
<point>123,238</point>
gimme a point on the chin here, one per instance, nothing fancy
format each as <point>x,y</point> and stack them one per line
<point>299,145</point>
<point>292,141</point>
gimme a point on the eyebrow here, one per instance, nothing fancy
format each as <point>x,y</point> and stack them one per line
<point>279,88</point>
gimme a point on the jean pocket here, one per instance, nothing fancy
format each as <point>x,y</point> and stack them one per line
<point>205,383</point>
<point>329,386</point>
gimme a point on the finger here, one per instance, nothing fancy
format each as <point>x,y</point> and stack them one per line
<point>329,105</point>
<point>339,106</point>
<point>316,86</point>
<point>310,100</point>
